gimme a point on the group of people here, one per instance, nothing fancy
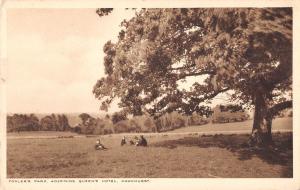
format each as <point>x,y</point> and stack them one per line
<point>136,141</point>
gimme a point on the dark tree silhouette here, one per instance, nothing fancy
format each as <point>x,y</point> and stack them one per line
<point>84,117</point>
<point>22,122</point>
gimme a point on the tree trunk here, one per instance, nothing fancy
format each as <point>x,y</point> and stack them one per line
<point>262,123</point>
<point>268,139</point>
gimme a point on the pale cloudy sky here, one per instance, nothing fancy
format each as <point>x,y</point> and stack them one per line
<point>55,57</point>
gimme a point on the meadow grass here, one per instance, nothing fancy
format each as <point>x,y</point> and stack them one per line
<point>167,156</point>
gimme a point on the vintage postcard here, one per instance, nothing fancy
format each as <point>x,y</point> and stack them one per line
<point>140,94</point>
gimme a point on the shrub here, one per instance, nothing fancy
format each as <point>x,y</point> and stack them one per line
<point>125,126</point>
<point>108,131</point>
<point>196,119</point>
<point>95,126</point>
<point>103,127</point>
<point>118,116</point>
<point>76,129</point>
<point>143,123</point>
<point>228,113</point>
<point>170,121</point>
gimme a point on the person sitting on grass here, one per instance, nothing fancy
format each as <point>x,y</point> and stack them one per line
<point>123,141</point>
<point>135,140</point>
<point>131,142</point>
<point>142,141</point>
<point>99,146</point>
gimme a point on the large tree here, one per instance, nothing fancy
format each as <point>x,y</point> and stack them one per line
<point>55,122</point>
<point>247,51</point>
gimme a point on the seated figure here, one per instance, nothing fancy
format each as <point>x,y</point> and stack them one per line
<point>99,146</point>
<point>142,141</point>
<point>123,141</point>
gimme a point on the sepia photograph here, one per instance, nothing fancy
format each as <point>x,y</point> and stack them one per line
<point>121,92</point>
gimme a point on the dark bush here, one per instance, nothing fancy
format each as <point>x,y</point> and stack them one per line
<point>118,116</point>
<point>125,126</point>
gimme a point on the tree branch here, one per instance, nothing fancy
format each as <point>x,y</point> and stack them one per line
<point>181,76</point>
<point>184,67</point>
<point>210,96</point>
<point>279,107</point>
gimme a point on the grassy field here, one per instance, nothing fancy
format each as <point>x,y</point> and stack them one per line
<point>285,123</point>
<point>219,156</point>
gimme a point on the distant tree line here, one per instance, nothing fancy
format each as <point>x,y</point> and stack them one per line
<point>25,122</point>
<point>91,125</point>
<point>120,122</point>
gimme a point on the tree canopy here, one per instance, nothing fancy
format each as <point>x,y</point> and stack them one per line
<point>246,50</point>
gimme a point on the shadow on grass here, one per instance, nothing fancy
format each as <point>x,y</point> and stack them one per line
<point>281,153</point>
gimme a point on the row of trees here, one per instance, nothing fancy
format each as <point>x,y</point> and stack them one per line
<point>24,122</point>
<point>244,51</point>
<point>91,125</point>
<point>119,123</point>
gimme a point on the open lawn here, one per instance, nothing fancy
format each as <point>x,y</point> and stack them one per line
<point>278,124</point>
<point>166,156</point>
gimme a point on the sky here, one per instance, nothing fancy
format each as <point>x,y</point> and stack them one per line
<point>55,57</point>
